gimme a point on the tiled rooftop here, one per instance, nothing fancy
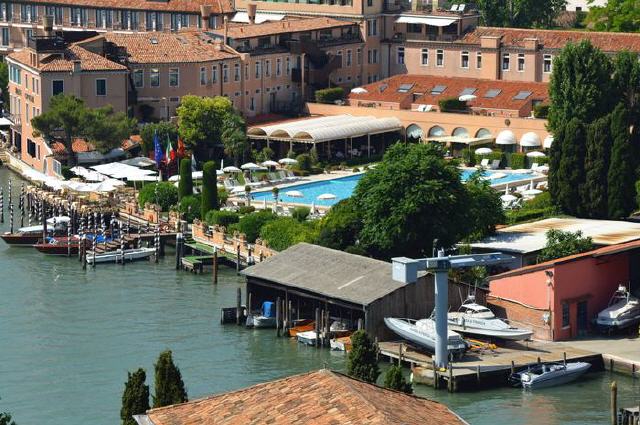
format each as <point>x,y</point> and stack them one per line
<point>321,397</point>
<point>64,62</point>
<point>401,88</point>
<point>160,47</point>
<point>190,6</point>
<point>78,145</point>
<point>557,39</point>
<point>239,31</point>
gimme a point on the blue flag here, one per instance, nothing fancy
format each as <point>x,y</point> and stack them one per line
<point>157,148</point>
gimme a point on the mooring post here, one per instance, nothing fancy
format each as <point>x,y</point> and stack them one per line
<point>215,266</point>
<point>450,383</point>
<point>317,325</point>
<point>122,248</point>
<point>239,306</point>
<point>249,303</point>
<point>539,360</point>
<point>564,358</point>
<point>69,240</point>
<point>178,249</point>
<point>513,367</point>
<point>327,328</point>
<point>238,260</point>
<point>435,374</point>
<point>478,373</point>
<point>614,403</point>
<point>83,255</point>
<point>278,314</point>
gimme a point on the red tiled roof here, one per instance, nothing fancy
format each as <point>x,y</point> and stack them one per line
<point>64,62</point>
<point>557,39</point>
<point>78,145</point>
<point>321,397</point>
<point>239,31</point>
<point>191,6</point>
<point>600,252</point>
<point>423,84</point>
<point>133,141</point>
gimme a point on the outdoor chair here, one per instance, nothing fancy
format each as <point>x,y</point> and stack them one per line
<point>495,164</point>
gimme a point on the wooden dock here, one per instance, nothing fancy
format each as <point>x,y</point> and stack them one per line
<point>202,255</point>
<point>485,367</point>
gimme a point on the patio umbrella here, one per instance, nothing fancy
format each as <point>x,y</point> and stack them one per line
<point>532,192</point>
<point>483,151</point>
<point>250,166</point>
<point>238,189</point>
<point>288,161</point>
<point>326,196</point>
<point>270,164</point>
<point>359,90</point>
<point>536,154</point>
<point>231,169</point>
<point>508,198</point>
<point>294,194</point>
<point>467,97</point>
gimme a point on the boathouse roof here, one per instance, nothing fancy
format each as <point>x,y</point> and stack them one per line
<point>331,273</point>
<point>320,397</point>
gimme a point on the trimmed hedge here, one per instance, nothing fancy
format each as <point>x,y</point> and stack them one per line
<point>222,218</point>
<point>329,95</point>
<point>517,161</point>
<point>451,104</point>
<point>541,111</point>
<point>209,188</point>
<point>301,213</point>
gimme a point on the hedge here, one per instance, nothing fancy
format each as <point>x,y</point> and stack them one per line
<point>222,218</point>
<point>541,111</point>
<point>329,95</point>
<point>451,104</point>
<point>209,188</point>
<point>517,161</point>
<point>166,196</point>
<point>491,157</point>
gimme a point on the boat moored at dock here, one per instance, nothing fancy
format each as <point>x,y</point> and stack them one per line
<point>30,235</point>
<point>265,318</point>
<point>423,333</point>
<point>549,374</point>
<point>117,256</point>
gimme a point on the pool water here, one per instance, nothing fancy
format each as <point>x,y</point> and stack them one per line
<point>343,187</point>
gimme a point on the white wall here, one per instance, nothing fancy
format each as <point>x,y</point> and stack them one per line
<point>583,4</point>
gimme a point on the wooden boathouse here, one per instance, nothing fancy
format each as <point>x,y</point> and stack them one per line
<point>349,287</point>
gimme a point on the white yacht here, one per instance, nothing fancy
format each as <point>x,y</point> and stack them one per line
<point>623,311</point>
<point>423,333</point>
<point>549,374</point>
<point>476,319</point>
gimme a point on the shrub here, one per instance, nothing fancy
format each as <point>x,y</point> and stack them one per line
<point>517,160</point>
<point>355,170</point>
<point>451,104</point>
<point>301,213</point>
<point>251,224</point>
<point>190,207</point>
<point>638,193</point>
<point>490,156</point>
<point>246,209</point>
<point>185,185</point>
<point>166,196</point>
<point>284,232</point>
<point>209,196</point>
<point>223,195</point>
<point>222,218</point>
<point>329,95</point>
<point>541,111</point>
<point>67,173</point>
<point>304,162</point>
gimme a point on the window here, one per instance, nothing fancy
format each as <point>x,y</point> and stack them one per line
<point>520,62</point>
<point>414,28</point>
<point>404,88</point>
<point>349,57</point>
<point>246,71</point>
<point>26,111</point>
<point>154,21</point>
<point>31,148</point>
<point>546,65</point>
<point>179,20</point>
<point>214,74</point>
<point>154,77</point>
<point>479,60</point>
<point>522,95</point>
<point>104,18</point>
<point>369,3</point>
<point>56,13</point>
<point>506,58</point>
<point>225,73</point>
<point>373,55</point>
<point>424,61</point>
<point>464,59</point>
<point>439,57</point>
<point>57,87</point>
<point>278,67</point>
<point>288,67</point>
<point>101,87</point>
<point>400,56</point>
<point>5,36</point>
<point>258,70</point>
<point>138,78</point>
<point>5,11</point>
<point>252,105</point>
<point>236,72</point>
<point>174,77</point>
<point>267,68</point>
<point>78,16</point>
<point>203,76</point>
<point>339,55</point>
<point>28,13</point>
<point>566,318</point>
<point>439,89</point>
<point>36,86</point>
<point>129,19</point>
<point>372,27</point>
<point>359,56</point>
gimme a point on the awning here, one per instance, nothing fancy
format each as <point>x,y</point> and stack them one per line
<point>4,122</point>
<point>530,140</point>
<point>260,17</point>
<point>434,22</point>
<point>469,141</point>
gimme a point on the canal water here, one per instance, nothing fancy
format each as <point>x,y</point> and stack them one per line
<point>68,338</point>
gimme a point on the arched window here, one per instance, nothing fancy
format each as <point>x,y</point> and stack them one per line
<point>414,131</point>
<point>460,132</point>
<point>483,133</point>
<point>436,131</point>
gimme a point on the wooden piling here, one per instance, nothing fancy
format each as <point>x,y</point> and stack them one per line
<point>238,260</point>
<point>278,314</point>
<point>215,266</point>
<point>564,358</point>
<point>538,359</point>
<point>239,306</point>
<point>435,374</point>
<point>178,249</point>
<point>513,367</point>
<point>317,326</point>
<point>614,403</point>
<point>327,329</point>
<point>450,383</point>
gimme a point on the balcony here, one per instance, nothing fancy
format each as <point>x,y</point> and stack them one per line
<point>42,44</point>
<point>343,39</point>
<point>16,121</point>
<point>261,50</point>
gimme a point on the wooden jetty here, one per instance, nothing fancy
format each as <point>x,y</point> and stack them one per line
<point>485,367</point>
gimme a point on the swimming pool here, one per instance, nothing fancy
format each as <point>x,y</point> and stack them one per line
<point>343,187</point>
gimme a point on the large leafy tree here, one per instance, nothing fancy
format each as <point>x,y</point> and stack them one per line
<point>106,129</point>
<point>164,129</point>
<point>615,15</point>
<point>594,191</point>
<point>209,197</point>
<point>169,387</point>
<point>135,398</point>
<point>341,226</point>
<point>200,120</point>
<point>520,13</point>
<point>164,194</point>
<point>411,198</point>
<point>362,362</point>
<point>561,244</point>
<point>234,137</point>
<point>484,207</point>
<point>580,85</point>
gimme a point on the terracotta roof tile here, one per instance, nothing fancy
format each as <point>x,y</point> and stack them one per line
<point>421,85</point>
<point>190,6</point>
<point>78,145</point>
<point>64,62</point>
<point>239,31</point>
<point>321,397</point>
<point>557,39</point>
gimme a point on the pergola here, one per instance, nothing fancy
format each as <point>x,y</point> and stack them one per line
<point>312,131</point>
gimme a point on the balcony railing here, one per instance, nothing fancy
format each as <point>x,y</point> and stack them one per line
<point>46,44</point>
<point>16,121</point>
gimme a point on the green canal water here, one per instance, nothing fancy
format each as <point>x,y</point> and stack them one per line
<point>68,338</point>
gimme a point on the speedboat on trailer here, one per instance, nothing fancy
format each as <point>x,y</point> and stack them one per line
<point>423,333</point>
<point>623,311</point>
<point>549,374</point>
<point>476,319</point>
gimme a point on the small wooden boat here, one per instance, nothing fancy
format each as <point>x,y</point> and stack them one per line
<point>342,343</point>
<point>308,337</point>
<point>60,245</point>
<point>265,318</point>
<point>113,256</point>
<point>549,374</point>
<point>30,235</point>
<point>304,325</point>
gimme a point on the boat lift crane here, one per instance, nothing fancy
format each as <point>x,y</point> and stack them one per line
<point>406,270</point>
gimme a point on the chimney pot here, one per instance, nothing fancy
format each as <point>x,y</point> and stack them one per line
<point>251,12</point>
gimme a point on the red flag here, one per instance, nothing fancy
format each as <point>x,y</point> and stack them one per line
<point>173,155</point>
<point>181,149</point>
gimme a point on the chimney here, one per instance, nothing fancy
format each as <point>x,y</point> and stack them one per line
<point>251,12</point>
<point>217,45</point>
<point>77,66</point>
<point>434,5</point>
<point>226,29</point>
<point>205,14</point>
<point>47,23</point>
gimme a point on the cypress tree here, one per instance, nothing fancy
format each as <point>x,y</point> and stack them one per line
<point>362,363</point>
<point>394,380</point>
<point>185,186</point>
<point>595,188</point>
<point>571,173</point>
<point>621,175</point>
<point>209,196</point>
<point>168,384</point>
<point>135,398</point>
<point>555,155</point>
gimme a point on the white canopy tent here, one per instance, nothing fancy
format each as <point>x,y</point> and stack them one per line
<point>122,171</point>
<point>243,17</point>
<point>139,161</point>
<point>426,20</point>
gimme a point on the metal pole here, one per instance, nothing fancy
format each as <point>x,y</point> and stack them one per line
<point>69,240</point>
<point>442,302</point>
<point>1,204</point>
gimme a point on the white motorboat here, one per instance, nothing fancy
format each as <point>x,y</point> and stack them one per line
<point>116,256</point>
<point>549,374</point>
<point>423,333</point>
<point>623,311</point>
<point>477,319</point>
<point>308,337</point>
<point>265,318</point>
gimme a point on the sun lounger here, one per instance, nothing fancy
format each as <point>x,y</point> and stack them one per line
<point>534,166</point>
<point>484,163</point>
<point>495,164</point>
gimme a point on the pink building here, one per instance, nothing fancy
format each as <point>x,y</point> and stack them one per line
<point>559,299</point>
